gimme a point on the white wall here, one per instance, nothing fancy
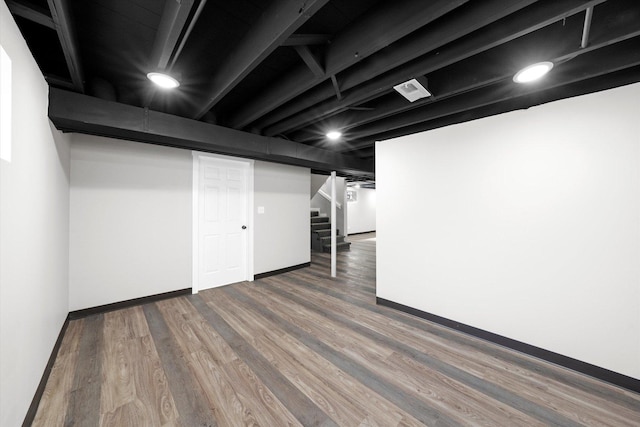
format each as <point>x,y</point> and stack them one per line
<point>282,233</point>
<point>361,213</point>
<point>130,220</point>
<point>525,224</point>
<point>34,233</point>
<point>317,181</point>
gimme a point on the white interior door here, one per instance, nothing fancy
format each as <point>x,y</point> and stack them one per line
<point>222,222</point>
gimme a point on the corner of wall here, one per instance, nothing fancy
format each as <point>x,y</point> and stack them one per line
<point>34,232</point>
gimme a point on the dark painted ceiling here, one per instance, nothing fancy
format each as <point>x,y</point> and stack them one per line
<point>292,70</point>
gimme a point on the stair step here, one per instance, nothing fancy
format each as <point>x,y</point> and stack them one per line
<point>343,246</point>
<point>315,213</point>
<point>326,240</point>
<point>321,226</point>
<point>318,219</point>
<point>324,232</point>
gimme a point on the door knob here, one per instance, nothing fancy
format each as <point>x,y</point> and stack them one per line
<point>244,227</point>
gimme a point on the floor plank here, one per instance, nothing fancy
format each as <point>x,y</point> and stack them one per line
<point>85,394</point>
<point>481,365</point>
<point>297,403</point>
<point>306,349</point>
<point>134,383</point>
<point>191,404</point>
<point>329,387</point>
<point>55,399</point>
<point>428,380</point>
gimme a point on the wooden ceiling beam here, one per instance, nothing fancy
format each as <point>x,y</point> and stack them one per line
<point>460,77</point>
<point>275,25</point>
<point>336,87</point>
<point>66,34</point>
<point>469,18</point>
<point>609,81</point>
<point>522,23</point>
<point>590,65</point>
<point>306,40</point>
<point>310,59</point>
<point>73,112</point>
<point>374,31</point>
<point>31,12</point>
<point>176,16</point>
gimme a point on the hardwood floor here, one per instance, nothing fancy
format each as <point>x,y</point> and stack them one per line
<point>302,349</point>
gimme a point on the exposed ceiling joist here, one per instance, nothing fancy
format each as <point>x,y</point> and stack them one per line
<point>505,67</point>
<point>531,19</point>
<point>617,79</point>
<point>336,87</point>
<point>176,16</point>
<point>66,33</point>
<point>310,59</point>
<point>306,40</point>
<point>591,65</point>
<point>73,112</point>
<point>277,23</point>
<point>31,12</point>
<point>374,31</point>
<point>350,54</point>
<point>187,32</point>
<point>473,16</point>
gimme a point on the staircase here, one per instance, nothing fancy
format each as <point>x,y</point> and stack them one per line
<point>321,234</point>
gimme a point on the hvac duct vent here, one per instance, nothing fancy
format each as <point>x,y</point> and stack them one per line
<point>413,90</point>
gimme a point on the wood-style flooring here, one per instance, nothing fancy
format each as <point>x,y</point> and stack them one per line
<point>302,349</point>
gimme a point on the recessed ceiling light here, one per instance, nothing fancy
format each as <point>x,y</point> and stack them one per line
<point>533,72</point>
<point>334,135</point>
<point>163,80</point>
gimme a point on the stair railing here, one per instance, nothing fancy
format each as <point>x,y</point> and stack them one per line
<point>328,197</point>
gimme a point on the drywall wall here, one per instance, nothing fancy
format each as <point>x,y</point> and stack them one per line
<point>361,212</point>
<point>282,233</point>
<point>525,224</point>
<point>34,232</point>
<point>317,181</point>
<point>130,220</point>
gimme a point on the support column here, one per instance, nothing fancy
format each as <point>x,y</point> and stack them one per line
<point>333,224</point>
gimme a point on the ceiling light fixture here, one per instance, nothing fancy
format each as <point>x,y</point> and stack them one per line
<point>334,135</point>
<point>165,81</point>
<point>533,72</point>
